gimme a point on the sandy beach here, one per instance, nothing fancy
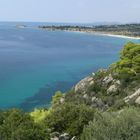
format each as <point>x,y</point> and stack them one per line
<point>118,36</point>
<point>105,34</point>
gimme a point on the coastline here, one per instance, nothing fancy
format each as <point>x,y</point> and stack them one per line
<point>116,34</point>
<point>105,34</point>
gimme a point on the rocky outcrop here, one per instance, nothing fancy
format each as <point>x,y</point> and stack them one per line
<point>107,83</point>
<point>85,96</point>
<point>62,100</point>
<point>96,90</point>
<point>135,97</point>
<point>64,136</point>
<point>111,83</point>
<point>55,138</point>
<point>112,89</point>
<point>108,79</point>
<point>97,102</point>
<point>84,84</point>
<point>58,136</point>
<point>73,138</point>
<point>137,101</point>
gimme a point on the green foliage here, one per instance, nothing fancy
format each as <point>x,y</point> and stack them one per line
<point>124,125</point>
<point>128,67</point>
<point>17,125</point>
<point>69,118</point>
<point>56,98</point>
<point>39,115</point>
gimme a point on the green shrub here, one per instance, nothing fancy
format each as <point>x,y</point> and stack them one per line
<point>128,67</point>
<point>39,115</point>
<point>69,118</point>
<point>56,99</point>
<point>124,125</point>
<point>17,125</point>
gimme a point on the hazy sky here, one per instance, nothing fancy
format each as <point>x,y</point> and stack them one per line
<point>70,10</point>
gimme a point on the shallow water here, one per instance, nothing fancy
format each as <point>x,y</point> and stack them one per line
<point>35,63</point>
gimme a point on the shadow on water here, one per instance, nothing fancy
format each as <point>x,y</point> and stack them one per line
<point>44,96</point>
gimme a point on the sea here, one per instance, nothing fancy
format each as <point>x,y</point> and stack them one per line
<point>35,63</point>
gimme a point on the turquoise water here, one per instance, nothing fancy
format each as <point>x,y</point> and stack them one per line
<point>35,63</point>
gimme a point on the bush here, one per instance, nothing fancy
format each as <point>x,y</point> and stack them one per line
<point>124,125</point>
<point>69,118</point>
<point>56,99</point>
<point>17,125</point>
<point>129,65</point>
<point>39,115</point>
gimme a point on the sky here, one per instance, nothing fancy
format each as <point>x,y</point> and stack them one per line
<point>76,11</point>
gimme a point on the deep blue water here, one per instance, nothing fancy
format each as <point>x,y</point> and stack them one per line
<point>35,63</point>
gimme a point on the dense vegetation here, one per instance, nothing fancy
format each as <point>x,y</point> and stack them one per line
<point>122,126</point>
<point>129,65</point>
<point>17,125</point>
<point>96,111</point>
<point>126,29</point>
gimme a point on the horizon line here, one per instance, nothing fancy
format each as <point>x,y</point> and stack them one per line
<point>96,22</point>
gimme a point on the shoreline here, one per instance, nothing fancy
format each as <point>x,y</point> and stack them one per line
<point>101,33</point>
<point>118,36</point>
<point>105,34</point>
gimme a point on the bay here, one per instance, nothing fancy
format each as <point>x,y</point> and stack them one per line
<point>35,63</point>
